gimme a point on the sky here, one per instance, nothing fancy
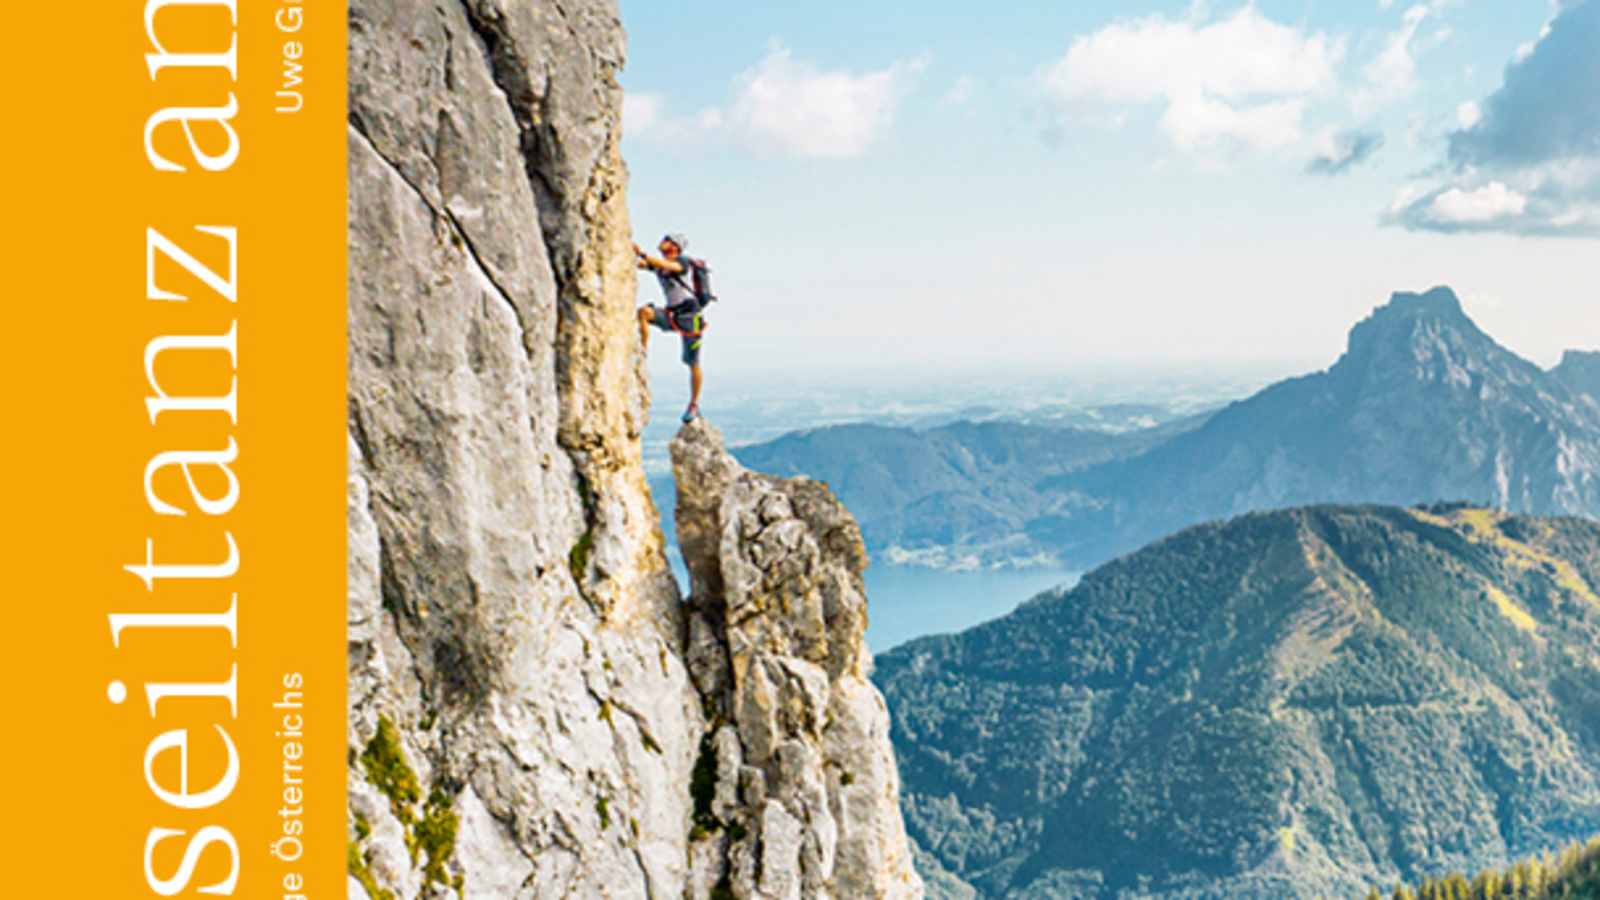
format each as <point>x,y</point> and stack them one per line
<point>960,186</point>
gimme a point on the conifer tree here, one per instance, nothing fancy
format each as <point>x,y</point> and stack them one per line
<point>1572,874</point>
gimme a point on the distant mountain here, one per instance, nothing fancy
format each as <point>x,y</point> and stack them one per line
<point>1422,407</point>
<point>962,491</point>
<point>1581,372</point>
<point>1290,704</point>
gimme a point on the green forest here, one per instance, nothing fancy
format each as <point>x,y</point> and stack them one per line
<point>1571,875</point>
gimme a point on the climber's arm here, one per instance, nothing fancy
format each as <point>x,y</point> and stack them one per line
<point>646,261</point>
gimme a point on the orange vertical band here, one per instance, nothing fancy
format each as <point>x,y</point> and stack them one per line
<point>176,242</point>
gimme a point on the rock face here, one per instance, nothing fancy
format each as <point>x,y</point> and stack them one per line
<point>796,788</point>
<point>512,616</point>
<point>1581,372</point>
<point>523,723</point>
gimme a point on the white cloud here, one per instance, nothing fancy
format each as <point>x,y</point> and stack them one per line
<point>1526,159</point>
<point>1338,152</point>
<point>1576,176</point>
<point>1149,58</point>
<point>1555,199</point>
<point>960,92</point>
<point>647,116</point>
<point>1392,74</point>
<point>1404,199</point>
<point>789,106</point>
<point>1526,48</point>
<point>1196,121</point>
<point>1239,80</point>
<point>1584,218</point>
<point>1476,207</point>
<point>1417,129</point>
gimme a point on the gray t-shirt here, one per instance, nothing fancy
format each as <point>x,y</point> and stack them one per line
<point>677,287</point>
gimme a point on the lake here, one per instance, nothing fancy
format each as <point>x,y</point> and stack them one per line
<point>906,602</point>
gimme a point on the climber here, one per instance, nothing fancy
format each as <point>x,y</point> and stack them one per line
<point>683,284</point>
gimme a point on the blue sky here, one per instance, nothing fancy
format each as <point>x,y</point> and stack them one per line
<point>1092,185</point>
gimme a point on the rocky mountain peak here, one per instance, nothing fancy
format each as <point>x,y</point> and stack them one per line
<point>1580,371</point>
<point>1580,359</point>
<point>1427,335</point>
<point>797,791</point>
<point>1423,407</point>
<point>1439,301</point>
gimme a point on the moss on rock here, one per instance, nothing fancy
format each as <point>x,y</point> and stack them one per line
<point>385,763</point>
<point>436,837</point>
<point>356,864</point>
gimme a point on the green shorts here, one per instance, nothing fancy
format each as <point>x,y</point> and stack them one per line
<point>688,326</point>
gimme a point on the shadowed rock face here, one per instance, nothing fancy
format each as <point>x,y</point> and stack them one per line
<point>522,720</point>
<point>801,787</point>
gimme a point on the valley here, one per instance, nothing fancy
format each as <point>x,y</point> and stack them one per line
<point>1423,406</point>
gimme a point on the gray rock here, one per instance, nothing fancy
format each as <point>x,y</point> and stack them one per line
<point>781,835</point>
<point>776,567</point>
<point>489,859</point>
<point>523,719</point>
<point>511,610</point>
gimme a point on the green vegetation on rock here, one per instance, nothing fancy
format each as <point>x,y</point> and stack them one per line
<point>430,836</point>
<point>703,791</point>
<point>356,864</point>
<point>385,765</point>
<point>578,557</point>
<point>435,836</point>
<point>703,787</point>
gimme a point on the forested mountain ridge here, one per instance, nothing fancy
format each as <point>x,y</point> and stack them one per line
<point>1573,874</point>
<point>1287,704</point>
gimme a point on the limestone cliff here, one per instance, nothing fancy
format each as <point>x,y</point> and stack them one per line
<point>523,721</point>
<point>796,789</point>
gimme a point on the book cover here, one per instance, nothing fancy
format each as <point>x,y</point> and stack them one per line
<point>527,449</point>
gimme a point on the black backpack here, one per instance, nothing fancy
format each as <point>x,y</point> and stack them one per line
<point>700,278</point>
